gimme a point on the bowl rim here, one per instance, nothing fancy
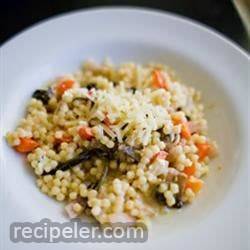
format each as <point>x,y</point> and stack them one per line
<point>146,10</point>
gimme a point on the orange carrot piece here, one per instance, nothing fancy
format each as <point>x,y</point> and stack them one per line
<point>194,184</point>
<point>65,138</point>
<point>204,149</point>
<point>85,133</point>
<point>176,121</point>
<point>64,85</point>
<point>26,145</point>
<point>189,170</point>
<point>185,132</point>
<point>159,80</point>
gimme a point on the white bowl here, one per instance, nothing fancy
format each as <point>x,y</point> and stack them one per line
<point>201,57</point>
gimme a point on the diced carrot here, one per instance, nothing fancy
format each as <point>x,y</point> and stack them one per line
<point>85,133</point>
<point>159,80</point>
<point>189,170</point>
<point>195,184</point>
<point>204,150</point>
<point>162,155</point>
<point>26,145</point>
<point>64,85</point>
<point>65,138</point>
<point>176,120</point>
<point>185,132</point>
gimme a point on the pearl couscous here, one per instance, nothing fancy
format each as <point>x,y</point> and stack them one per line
<point>117,143</point>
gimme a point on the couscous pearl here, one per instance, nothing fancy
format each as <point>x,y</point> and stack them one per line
<point>74,185</point>
<point>55,190</point>
<point>174,188</point>
<point>130,175</point>
<point>77,207</point>
<point>98,162</point>
<point>168,194</point>
<point>73,195</point>
<point>113,164</point>
<point>170,201</point>
<point>134,212</point>
<point>163,187</point>
<point>59,174</point>
<point>105,203</point>
<point>66,174</point>
<point>125,186</point>
<point>142,180</point>
<point>53,164</point>
<point>117,187</point>
<point>39,182</point>
<point>93,171</point>
<point>95,202</point>
<point>56,182</point>
<point>80,174</point>
<point>64,190</point>
<point>83,192</point>
<point>92,194</point>
<point>131,192</point>
<point>112,197</point>
<point>64,183</point>
<point>60,197</point>
<point>103,218</point>
<point>122,166</point>
<point>82,186</point>
<point>110,144</point>
<point>129,205</point>
<point>190,193</point>
<point>139,172</point>
<point>47,178</point>
<point>96,210</point>
<point>152,178</point>
<point>30,157</point>
<point>47,169</point>
<point>44,189</point>
<point>136,183</point>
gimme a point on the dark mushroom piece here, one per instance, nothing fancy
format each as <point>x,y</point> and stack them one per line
<point>160,197</point>
<point>100,152</point>
<point>91,86</point>
<point>133,89</point>
<point>41,95</point>
<point>84,156</point>
<point>178,204</point>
